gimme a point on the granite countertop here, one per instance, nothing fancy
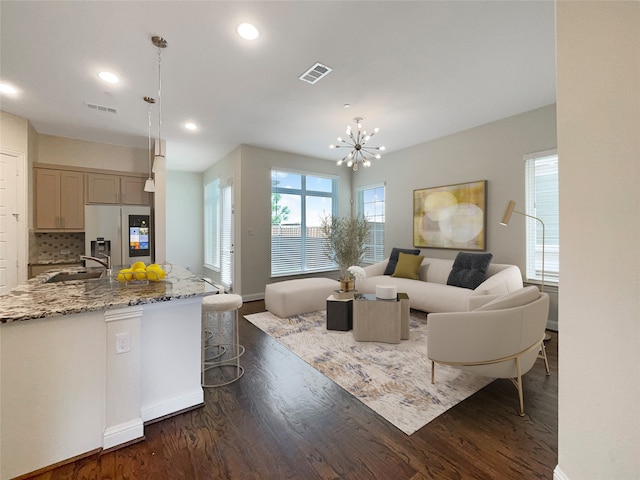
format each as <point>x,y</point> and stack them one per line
<point>37,299</point>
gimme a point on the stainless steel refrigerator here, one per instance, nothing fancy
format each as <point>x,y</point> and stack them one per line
<point>121,231</point>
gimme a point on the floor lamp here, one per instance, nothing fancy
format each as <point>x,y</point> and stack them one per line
<point>505,221</point>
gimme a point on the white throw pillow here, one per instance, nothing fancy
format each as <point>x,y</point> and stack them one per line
<point>517,298</point>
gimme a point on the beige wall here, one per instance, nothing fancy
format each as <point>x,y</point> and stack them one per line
<point>14,132</point>
<point>598,98</point>
<point>492,152</point>
<point>251,169</point>
<point>80,153</point>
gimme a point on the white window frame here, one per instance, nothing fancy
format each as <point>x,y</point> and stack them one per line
<point>306,264</point>
<point>375,240</point>
<point>545,206</point>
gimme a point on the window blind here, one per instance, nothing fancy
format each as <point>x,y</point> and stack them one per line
<point>226,237</point>
<point>541,194</point>
<point>212,224</point>
<point>371,206</point>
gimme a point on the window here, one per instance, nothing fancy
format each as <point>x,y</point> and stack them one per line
<point>371,207</point>
<point>212,224</point>
<point>541,191</point>
<point>299,202</point>
<point>226,236</point>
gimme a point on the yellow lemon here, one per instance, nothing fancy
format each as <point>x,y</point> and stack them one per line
<point>139,273</point>
<point>158,272</point>
<point>125,274</point>
<point>138,265</point>
<point>153,275</point>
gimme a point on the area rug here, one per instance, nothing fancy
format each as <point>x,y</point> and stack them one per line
<point>394,380</point>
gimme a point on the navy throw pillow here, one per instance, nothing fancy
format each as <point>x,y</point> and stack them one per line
<point>469,269</point>
<point>393,258</point>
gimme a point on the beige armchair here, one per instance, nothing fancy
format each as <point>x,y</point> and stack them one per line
<point>500,339</point>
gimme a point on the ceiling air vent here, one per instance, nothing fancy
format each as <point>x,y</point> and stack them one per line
<point>101,108</point>
<point>315,73</point>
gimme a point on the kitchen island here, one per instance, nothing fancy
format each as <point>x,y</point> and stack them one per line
<point>84,364</point>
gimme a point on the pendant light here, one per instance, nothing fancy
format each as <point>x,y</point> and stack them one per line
<point>150,185</point>
<point>159,162</point>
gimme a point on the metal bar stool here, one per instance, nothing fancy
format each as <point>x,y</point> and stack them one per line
<point>221,349</point>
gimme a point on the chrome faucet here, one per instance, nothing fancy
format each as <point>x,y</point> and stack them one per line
<point>105,263</point>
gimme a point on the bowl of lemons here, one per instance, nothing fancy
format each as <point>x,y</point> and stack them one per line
<point>141,273</point>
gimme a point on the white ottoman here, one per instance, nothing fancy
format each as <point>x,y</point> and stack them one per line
<point>293,297</point>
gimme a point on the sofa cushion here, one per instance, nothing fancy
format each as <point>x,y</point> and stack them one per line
<point>514,299</point>
<point>408,266</point>
<point>393,258</point>
<point>469,269</point>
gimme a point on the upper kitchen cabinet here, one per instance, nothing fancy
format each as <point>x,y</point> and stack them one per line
<point>59,196</point>
<point>116,189</point>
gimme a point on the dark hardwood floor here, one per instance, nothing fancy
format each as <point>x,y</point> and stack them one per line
<point>284,420</point>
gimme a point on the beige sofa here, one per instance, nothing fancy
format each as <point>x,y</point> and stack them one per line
<point>430,293</point>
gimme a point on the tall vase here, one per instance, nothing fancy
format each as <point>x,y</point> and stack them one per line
<point>347,285</point>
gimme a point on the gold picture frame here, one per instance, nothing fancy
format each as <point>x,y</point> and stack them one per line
<point>451,216</point>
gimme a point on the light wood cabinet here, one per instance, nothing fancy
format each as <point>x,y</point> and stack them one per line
<point>116,189</point>
<point>59,200</point>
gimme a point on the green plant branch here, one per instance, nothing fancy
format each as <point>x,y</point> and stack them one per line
<point>345,241</point>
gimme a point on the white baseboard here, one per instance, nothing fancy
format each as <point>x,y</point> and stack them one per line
<point>252,297</point>
<point>559,474</point>
<point>173,404</point>
<point>122,433</point>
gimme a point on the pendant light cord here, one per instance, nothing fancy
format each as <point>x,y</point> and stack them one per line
<point>159,103</point>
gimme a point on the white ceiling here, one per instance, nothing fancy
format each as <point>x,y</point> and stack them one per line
<point>419,70</point>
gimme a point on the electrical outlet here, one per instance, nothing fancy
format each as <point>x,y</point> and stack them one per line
<point>123,343</point>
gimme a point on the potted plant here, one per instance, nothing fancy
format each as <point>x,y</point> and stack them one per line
<point>345,244</point>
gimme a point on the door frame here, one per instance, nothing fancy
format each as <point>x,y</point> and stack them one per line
<point>22,203</point>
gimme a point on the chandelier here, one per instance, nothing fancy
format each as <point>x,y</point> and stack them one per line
<point>359,154</point>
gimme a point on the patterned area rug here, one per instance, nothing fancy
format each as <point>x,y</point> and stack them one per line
<point>394,380</point>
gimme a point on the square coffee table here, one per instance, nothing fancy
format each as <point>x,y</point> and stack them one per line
<point>379,320</point>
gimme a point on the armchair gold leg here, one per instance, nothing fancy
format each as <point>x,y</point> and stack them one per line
<point>519,386</point>
<point>543,355</point>
<point>433,371</point>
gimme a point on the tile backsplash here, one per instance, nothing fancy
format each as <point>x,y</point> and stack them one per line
<point>47,247</point>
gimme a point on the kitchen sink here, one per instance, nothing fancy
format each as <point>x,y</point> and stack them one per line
<point>69,276</point>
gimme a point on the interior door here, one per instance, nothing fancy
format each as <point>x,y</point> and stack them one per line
<point>9,219</point>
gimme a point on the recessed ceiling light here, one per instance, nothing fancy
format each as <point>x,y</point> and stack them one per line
<point>248,31</point>
<point>108,77</point>
<point>347,105</point>
<point>7,89</point>
<point>190,126</point>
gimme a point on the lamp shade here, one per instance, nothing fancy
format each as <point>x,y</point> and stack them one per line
<point>507,213</point>
<point>149,185</point>
<point>159,164</point>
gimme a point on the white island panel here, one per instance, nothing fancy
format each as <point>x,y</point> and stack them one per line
<point>52,400</point>
<point>170,350</point>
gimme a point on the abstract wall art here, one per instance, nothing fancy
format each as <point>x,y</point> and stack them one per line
<point>451,216</point>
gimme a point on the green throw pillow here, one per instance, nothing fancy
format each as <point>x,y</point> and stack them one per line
<point>408,266</point>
